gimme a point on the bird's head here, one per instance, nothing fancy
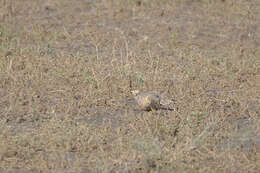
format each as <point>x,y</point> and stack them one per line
<point>135,92</point>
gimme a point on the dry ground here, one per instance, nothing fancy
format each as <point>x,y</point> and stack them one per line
<point>67,69</point>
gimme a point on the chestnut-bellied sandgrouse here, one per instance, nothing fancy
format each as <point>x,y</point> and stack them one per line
<point>151,100</point>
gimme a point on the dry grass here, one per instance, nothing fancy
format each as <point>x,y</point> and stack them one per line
<point>67,69</point>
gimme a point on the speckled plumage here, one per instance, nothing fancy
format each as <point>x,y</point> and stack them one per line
<point>150,100</point>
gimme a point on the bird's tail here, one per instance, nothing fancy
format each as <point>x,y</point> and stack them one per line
<point>167,104</point>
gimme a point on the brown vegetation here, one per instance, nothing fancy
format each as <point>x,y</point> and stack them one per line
<point>67,69</point>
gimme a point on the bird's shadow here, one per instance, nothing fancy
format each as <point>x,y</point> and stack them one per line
<point>161,108</point>
<point>167,109</point>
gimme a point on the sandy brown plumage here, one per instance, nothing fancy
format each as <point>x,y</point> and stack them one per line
<point>151,100</point>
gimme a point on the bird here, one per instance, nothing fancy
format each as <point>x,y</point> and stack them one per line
<point>151,100</point>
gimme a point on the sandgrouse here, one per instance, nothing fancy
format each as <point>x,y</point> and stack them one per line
<point>151,100</point>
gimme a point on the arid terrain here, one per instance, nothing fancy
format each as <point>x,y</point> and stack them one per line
<point>67,69</point>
